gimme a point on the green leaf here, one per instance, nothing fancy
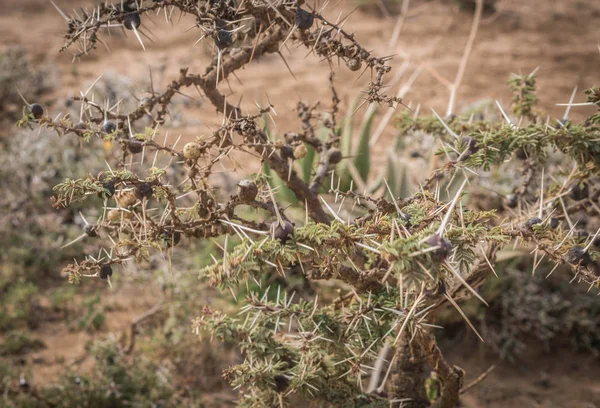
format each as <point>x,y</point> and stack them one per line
<point>362,161</point>
<point>306,163</point>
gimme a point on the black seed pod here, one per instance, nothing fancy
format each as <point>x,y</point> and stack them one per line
<point>578,256</point>
<point>132,21</point>
<point>406,218</point>
<point>335,156</point>
<point>105,271</point>
<point>304,19</point>
<point>582,235</point>
<point>554,222</point>
<point>281,383</point>
<point>223,38</point>
<point>445,247</point>
<point>281,232</point>
<point>471,144</point>
<point>512,201</point>
<point>415,154</point>
<point>143,190</point>
<point>109,186</point>
<point>90,230</point>
<point>109,126</point>
<point>247,191</point>
<point>37,110</point>
<point>287,152</point>
<point>579,191</point>
<point>531,222</point>
<point>134,145</point>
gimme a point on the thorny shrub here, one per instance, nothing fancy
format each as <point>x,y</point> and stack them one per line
<point>395,261</point>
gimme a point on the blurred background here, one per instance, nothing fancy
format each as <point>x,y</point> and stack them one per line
<point>130,345</point>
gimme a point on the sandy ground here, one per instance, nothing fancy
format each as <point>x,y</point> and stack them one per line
<point>560,37</point>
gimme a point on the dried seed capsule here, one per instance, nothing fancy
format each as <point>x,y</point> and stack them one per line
<point>223,38</point>
<point>37,110</point>
<point>304,19</point>
<point>135,146</point>
<point>247,191</point>
<point>116,215</point>
<point>300,151</point>
<point>90,230</point>
<point>353,64</point>
<point>554,223</point>
<point>578,256</point>
<point>281,383</point>
<point>105,271</point>
<point>108,126</point>
<point>192,151</point>
<point>126,198</point>
<point>132,21</point>
<point>335,156</point>
<point>281,232</point>
<point>579,191</point>
<point>287,152</point>
<point>443,250</point>
<point>144,190</point>
<point>512,201</point>
<point>531,222</point>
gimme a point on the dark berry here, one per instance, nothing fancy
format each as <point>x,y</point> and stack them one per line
<point>90,230</point>
<point>37,110</point>
<point>554,223</point>
<point>109,126</point>
<point>579,191</point>
<point>531,222</point>
<point>353,64</point>
<point>247,191</point>
<point>335,156</point>
<point>143,190</point>
<point>281,383</point>
<point>287,152</point>
<point>406,218</point>
<point>223,38</point>
<point>304,19</point>
<point>578,256</point>
<point>134,145</point>
<point>512,201</point>
<point>281,232</point>
<point>105,271</point>
<point>444,247</point>
<point>132,21</point>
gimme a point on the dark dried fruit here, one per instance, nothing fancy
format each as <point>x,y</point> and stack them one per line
<point>135,146</point>
<point>90,230</point>
<point>247,191</point>
<point>143,190</point>
<point>578,256</point>
<point>471,144</point>
<point>335,156</point>
<point>223,38</point>
<point>109,187</point>
<point>132,21</point>
<point>282,232</point>
<point>105,271</point>
<point>512,201</point>
<point>554,223</point>
<point>443,250</point>
<point>304,19</point>
<point>281,383</point>
<point>531,222</point>
<point>582,235</point>
<point>353,64</point>
<point>579,191</point>
<point>37,110</point>
<point>287,152</point>
<point>109,127</point>
<point>406,218</point>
